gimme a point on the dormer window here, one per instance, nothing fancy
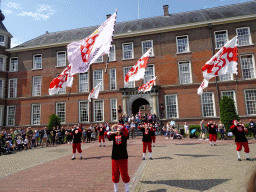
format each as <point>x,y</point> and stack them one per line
<point>1,40</point>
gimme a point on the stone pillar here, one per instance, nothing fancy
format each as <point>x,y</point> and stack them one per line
<point>124,98</point>
<point>154,107</point>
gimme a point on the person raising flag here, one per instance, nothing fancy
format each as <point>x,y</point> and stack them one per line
<point>76,134</point>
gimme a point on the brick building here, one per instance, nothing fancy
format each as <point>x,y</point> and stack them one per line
<point>182,43</point>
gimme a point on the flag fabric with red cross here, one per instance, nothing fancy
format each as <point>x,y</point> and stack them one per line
<point>147,86</point>
<point>94,92</point>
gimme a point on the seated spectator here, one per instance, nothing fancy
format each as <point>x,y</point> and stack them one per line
<point>19,143</point>
<point>8,147</point>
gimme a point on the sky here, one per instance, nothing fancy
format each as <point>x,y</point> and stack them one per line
<point>28,19</point>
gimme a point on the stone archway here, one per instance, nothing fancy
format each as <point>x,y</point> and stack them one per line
<point>137,104</point>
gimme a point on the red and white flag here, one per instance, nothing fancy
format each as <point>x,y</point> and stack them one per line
<point>83,53</point>
<point>223,62</point>
<point>147,86</point>
<point>94,92</point>
<point>65,79</point>
<point>138,70</point>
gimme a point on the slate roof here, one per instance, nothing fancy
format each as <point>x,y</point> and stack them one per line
<point>228,11</point>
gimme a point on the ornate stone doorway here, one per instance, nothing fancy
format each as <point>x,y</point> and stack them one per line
<point>139,103</point>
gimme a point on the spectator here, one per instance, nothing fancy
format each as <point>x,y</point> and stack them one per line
<point>63,134</point>
<point>84,135</point>
<point>33,140</point>
<point>133,129</point>
<point>252,128</point>
<point>29,135</point>
<point>221,129</point>
<point>186,128</point>
<point>37,136</point>
<point>26,143</point>
<point>167,130</point>
<point>89,132</point>
<point>19,143</point>
<point>44,135</point>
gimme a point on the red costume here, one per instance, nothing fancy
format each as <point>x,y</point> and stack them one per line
<point>101,134</point>
<point>76,134</point>
<point>212,132</point>
<point>153,136</point>
<point>240,139</point>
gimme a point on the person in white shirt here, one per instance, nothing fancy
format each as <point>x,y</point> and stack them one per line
<point>186,128</point>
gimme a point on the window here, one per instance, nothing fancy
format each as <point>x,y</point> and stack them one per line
<point>1,114</point>
<point>12,88</point>
<point>37,62</point>
<point>112,78</point>
<point>98,110</point>
<point>97,78</point>
<point>61,111</point>
<point>129,84</point>
<point>185,72</point>
<point>146,45</point>
<point>250,98</point>
<point>171,106</point>
<point>149,73</point>
<point>248,66</point>
<point>113,108</point>
<point>2,40</point>
<point>83,82</point>
<point>230,94</point>
<point>226,77</point>
<point>2,63</point>
<point>2,88</point>
<point>61,59</point>
<point>112,54</point>
<point>83,111</point>
<point>61,90</point>
<point>244,36</point>
<point>36,114</point>
<point>13,64</point>
<point>182,44</point>
<point>208,107</point>
<point>128,51</point>
<point>221,37</point>
<point>36,90</point>
<point>10,116</point>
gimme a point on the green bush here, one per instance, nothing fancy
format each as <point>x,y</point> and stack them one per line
<point>227,112</point>
<point>53,122</point>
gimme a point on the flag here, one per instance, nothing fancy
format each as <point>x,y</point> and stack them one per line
<point>95,92</point>
<point>83,53</point>
<point>138,70</point>
<point>202,86</point>
<point>147,86</point>
<point>65,79</point>
<point>223,62</point>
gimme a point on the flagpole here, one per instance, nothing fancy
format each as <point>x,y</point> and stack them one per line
<point>69,92</point>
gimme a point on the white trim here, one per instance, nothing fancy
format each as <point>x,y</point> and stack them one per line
<point>79,107</point>
<point>253,61</point>
<point>132,50</point>
<point>58,58</point>
<point>34,61</point>
<point>64,108</point>
<point>246,101</point>
<point>33,86</point>
<point>15,66</point>
<point>33,114</point>
<point>114,53</point>
<point>99,60</point>
<point>215,38</point>
<point>190,68</point>
<point>79,83</point>
<point>102,84</point>
<point>177,108</point>
<point>94,110</point>
<point>8,114</point>
<point>249,33</point>
<point>110,79</point>
<point>125,75</point>
<point>4,62</point>
<point>150,65</point>
<point>15,95</point>
<point>111,111</point>
<point>213,101</point>
<point>1,115</point>
<point>188,48</point>
<point>3,88</point>
<point>153,54</point>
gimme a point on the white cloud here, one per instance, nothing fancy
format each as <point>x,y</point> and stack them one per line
<point>14,5</point>
<point>36,16</point>
<point>7,12</point>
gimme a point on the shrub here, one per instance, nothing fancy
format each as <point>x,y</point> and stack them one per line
<point>53,122</point>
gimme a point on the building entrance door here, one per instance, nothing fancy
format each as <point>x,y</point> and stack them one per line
<point>138,104</point>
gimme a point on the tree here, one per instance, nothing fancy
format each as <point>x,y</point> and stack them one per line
<point>53,122</point>
<point>227,111</point>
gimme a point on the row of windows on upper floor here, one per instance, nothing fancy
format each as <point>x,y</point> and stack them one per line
<point>247,63</point>
<point>182,43</point>
<point>171,108</point>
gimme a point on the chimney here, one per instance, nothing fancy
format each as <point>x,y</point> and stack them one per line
<point>108,15</point>
<point>166,10</point>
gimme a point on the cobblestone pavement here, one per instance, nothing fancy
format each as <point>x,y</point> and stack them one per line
<point>178,165</point>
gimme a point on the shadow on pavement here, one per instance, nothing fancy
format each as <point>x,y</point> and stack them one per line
<point>164,158</point>
<point>196,156</point>
<point>188,144</point>
<point>200,185</point>
<point>99,157</point>
<point>160,146</point>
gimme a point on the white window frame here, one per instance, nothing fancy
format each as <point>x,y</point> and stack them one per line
<point>234,95</point>
<point>1,114</point>
<point>102,81</point>
<point>64,109</point>
<point>131,50</point>
<point>32,114</point>
<point>61,90</point>
<point>99,60</point>
<point>222,77</point>
<point>253,63</point>
<point>5,40</point>
<point>129,84</point>
<point>177,106</point>
<point>80,83</point>
<point>111,109</point>
<point>190,71</point>
<point>88,111</point>
<point>2,92</point>
<point>215,39</point>
<point>13,68</point>
<point>15,88</point>
<point>249,33</point>
<point>247,112</point>
<point>177,45</point>
<point>113,52</point>
<point>149,66</point>
<point>34,92</point>
<point>94,111</point>
<point>151,54</point>
<point>34,66</point>
<point>57,55</point>
<point>4,62</point>
<point>213,99</point>
<point>110,79</point>
<point>7,116</point>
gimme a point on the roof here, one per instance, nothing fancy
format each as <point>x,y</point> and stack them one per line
<point>223,12</point>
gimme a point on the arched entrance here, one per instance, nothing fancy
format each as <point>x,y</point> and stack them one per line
<point>138,103</point>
